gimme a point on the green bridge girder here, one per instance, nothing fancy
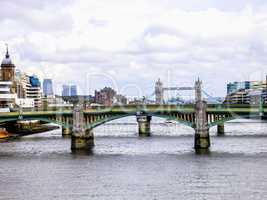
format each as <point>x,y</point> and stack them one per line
<point>97,116</point>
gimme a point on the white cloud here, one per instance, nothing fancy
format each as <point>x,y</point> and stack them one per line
<point>137,41</point>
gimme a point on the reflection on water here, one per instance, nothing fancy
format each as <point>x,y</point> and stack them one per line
<point>124,166</point>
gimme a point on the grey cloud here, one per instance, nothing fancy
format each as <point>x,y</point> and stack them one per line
<point>215,59</point>
<point>9,5</point>
<point>81,55</point>
<point>199,48</point>
<point>140,44</point>
<point>224,5</point>
<point>35,15</point>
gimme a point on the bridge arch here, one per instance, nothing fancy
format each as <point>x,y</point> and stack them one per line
<point>42,119</point>
<point>109,119</point>
<point>98,122</point>
<point>233,117</point>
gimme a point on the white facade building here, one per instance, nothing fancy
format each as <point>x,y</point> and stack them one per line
<point>25,103</point>
<point>28,90</point>
<point>34,93</point>
<point>7,99</point>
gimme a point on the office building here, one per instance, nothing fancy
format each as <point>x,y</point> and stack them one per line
<point>34,91</point>
<point>248,92</point>
<point>7,98</point>
<point>28,88</point>
<point>65,90</point>
<point>73,90</point>
<point>69,90</point>
<point>48,88</point>
<point>235,86</point>
<point>105,96</point>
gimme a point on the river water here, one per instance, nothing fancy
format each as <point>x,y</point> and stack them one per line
<point>123,166</point>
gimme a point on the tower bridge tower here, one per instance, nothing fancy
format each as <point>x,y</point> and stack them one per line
<point>159,92</point>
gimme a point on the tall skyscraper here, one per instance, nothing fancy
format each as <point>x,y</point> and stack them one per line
<point>34,92</point>
<point>73,90</point>
<point>69,90</point>
<point>48,87</point>
<point>65,90</point>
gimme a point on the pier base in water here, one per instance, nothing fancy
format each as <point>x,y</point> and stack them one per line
<point>220,129</point>
<point>66,131</point>
<point>202,139</point>
<point>144,125</point>
<point>83,141</point>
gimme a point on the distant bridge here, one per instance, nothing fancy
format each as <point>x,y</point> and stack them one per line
<point>160,90</point>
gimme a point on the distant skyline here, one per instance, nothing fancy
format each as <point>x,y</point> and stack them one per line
<point>129,44</point>
<point>69,90</point>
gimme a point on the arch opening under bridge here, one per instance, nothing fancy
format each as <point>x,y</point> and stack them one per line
<point>41,119</point>
<point>100,122</point>
<point>231,118</point>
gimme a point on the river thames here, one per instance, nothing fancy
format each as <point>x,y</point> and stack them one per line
<point>124,166</point>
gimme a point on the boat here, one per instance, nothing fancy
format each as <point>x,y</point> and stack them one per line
<point>4,134</point>
<point>169,122</point>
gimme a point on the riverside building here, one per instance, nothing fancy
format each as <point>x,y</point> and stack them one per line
<point>247,92</point>
<point>7,84</point>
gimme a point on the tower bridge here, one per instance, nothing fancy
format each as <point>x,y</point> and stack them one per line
<point>160,90</point>
<point>80,122</point>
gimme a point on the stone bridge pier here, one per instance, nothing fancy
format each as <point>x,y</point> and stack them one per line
<point>82,138</point>
<point>143,125</point>
<point>202,138</point>
<point>220,129</point>
<point>66,131</point>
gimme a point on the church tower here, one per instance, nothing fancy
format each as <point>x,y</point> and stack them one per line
<point>7,68</point>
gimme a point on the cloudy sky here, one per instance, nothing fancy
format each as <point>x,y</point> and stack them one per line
<point>128,44</point>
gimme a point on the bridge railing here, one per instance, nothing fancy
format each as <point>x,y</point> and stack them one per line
<point>151,107</point>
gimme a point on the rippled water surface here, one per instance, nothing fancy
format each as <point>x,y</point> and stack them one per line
<point>123,166</point>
